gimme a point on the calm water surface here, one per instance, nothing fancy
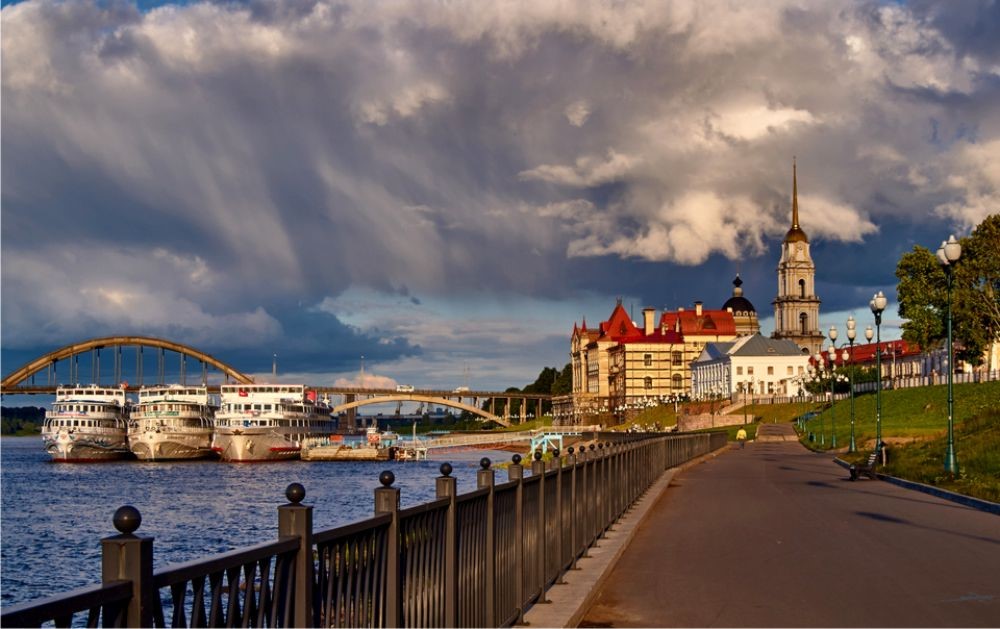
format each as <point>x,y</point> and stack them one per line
<point>54,514</point>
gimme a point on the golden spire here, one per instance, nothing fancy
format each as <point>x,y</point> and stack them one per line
<point>795,197</point>
<point>795,234</point>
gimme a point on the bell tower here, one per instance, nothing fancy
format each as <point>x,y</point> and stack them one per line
<point>796,308</point>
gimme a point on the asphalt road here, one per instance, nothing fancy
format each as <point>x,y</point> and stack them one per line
<point>776,536</point>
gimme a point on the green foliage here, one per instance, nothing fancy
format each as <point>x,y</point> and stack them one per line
<point>21,421</point>
<point>923,294</point>
<point>563,384</point>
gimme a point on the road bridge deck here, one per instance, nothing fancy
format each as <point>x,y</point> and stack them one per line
<point>775,535</point>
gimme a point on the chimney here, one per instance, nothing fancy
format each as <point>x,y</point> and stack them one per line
<point>648,316</point>
<point>697,308</point>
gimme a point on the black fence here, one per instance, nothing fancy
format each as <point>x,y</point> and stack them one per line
<point>480,559</point>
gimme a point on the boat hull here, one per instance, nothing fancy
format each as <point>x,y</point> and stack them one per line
<point>254,446</point>
<point>166,446</point>
<point>81,447</point>
<point>337,452</point>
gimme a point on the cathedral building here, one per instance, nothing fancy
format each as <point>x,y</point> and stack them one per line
<point>621,364</point>
<point>796,308</point>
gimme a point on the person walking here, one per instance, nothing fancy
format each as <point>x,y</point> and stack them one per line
<point>741,436</point>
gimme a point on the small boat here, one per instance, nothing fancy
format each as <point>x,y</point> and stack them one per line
<point>87,423</point>
<point>268,422</point>
<point>171,422</point>
<point>377,446</point>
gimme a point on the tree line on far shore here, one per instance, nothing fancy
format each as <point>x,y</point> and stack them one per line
<point>21,420</point>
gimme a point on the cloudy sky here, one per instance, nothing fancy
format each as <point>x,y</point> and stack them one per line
<point>445,187</point>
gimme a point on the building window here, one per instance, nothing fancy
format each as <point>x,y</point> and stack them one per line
<point>647,382</point>
<point>804,323</point>
<point>676,381</point>
<point>789,372</point>
<point>647,359</point>
<point>802,288</point>
<point>739,370</point>
<point>801,370</point>
<point>770,370</point>
<point>677,358</point>
<point>749,371</point>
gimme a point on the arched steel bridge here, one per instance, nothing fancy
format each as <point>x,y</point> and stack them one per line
<point>22,380</point>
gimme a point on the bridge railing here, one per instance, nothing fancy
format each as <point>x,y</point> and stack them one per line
<point>477,559</point>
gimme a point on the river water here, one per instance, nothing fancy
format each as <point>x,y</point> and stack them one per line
<point>55,514</point>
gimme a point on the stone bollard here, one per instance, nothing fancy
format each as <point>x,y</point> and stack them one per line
<point>128,557</point>
<point>446,487</point>
<point>387,501</point>
<point>295,520</point>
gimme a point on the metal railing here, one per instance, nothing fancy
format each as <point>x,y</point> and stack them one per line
<point>477,559</point>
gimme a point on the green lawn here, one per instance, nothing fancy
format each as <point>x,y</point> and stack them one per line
<point>907,414</point>
<point>914,424</point>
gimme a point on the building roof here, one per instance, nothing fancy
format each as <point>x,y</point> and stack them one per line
<point>757,345</point>
<point>865,352</point>
<point>738,303</point>
<point>708,323</point>
<point>658,336</point>
<point>715,351</point>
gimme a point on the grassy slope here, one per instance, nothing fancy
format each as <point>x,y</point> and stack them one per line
<point>914,423</point>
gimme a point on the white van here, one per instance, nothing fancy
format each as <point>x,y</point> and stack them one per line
<point>404,388</point>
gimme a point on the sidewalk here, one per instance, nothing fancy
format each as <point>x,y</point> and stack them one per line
<point>777,536</point>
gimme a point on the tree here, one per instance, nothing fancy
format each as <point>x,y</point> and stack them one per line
<point>923,297</point>
<point>978,275</point>
<point>563,384</point>
<point>921,293</point>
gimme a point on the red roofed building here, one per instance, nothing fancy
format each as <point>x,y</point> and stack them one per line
<point>621,364</point>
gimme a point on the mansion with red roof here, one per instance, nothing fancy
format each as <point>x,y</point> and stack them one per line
<point>620,362</point>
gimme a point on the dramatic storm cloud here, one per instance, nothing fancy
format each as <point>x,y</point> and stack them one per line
<point>433,184</point>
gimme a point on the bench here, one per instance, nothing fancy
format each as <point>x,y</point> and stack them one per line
<point>867,468</point>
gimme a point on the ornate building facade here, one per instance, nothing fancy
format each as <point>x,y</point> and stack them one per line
<point>796,308</point>
<point>621,364</point>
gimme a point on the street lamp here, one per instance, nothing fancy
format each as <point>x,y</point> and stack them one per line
<point>877,305</point>
<point>851,334</point>
<point>819,374</point>
<point>832,354</point>
<point>948,254</point>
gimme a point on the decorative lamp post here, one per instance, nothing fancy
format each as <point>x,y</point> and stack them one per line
<point>948,254</point>
<point>877,305</point>
<point>819,374</point>
<point>832,354</point>
<point>851,335</point>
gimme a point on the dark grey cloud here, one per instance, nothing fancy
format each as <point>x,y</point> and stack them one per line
<point>235,173</point>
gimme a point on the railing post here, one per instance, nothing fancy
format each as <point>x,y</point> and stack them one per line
<point>515,471</point>
<point>295,520</point>
<point>538,469</point>
<point>574,548</point>
<point>387,501</point>
<point>485,477</point>
<point>445,487</point>
<point>556,456</point>
<point>594,481</point>
<point>602,484</point>
<point>128,557</point>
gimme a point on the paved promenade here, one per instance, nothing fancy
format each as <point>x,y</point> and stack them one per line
<point>776,536</point>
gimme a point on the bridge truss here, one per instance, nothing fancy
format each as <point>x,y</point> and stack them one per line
<point>62,366</point>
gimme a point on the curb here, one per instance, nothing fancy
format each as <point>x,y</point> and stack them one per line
<point>968,501</point>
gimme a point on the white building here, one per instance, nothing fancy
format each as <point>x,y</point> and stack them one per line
<point>752,364</point>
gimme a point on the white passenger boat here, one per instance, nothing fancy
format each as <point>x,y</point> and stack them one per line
<point>87,423</point>
<point>267,422</point>
<point>171,422</point>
